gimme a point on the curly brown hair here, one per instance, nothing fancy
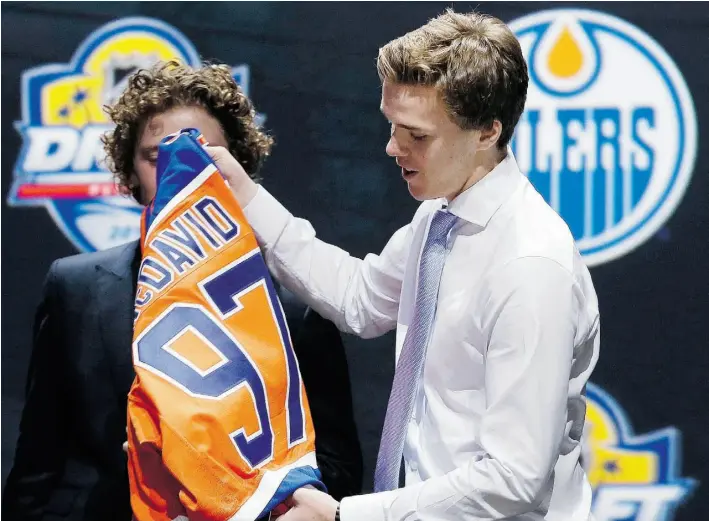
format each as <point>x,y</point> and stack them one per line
<point>172,84</point>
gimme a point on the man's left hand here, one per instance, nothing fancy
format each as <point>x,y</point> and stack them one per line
<point>308,504</point>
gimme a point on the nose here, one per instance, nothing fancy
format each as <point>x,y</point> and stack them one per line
<point>393,149</point>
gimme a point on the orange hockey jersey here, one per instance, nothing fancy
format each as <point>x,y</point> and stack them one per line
<point>219,426</point>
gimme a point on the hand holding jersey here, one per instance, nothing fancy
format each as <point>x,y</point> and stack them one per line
<point>243,187</point>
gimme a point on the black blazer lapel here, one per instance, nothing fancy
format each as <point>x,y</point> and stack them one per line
<point>115,296</point>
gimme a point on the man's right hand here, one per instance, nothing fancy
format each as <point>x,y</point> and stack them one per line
<point>241,184</point>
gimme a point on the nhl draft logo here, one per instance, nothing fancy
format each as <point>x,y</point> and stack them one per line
<point>61,164</point>
<point>609,134</point>
<point>632,476</point>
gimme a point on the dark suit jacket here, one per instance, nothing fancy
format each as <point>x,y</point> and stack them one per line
<point>69,463</point>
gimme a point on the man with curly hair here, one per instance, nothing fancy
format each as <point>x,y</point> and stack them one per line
<point>69,462</point>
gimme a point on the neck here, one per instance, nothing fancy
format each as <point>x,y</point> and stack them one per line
<point>485,162</point>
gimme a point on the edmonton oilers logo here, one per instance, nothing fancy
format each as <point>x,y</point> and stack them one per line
<point>609,134</point>
<point>61,164</point>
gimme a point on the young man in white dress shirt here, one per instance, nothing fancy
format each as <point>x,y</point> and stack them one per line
<point>494,351</point>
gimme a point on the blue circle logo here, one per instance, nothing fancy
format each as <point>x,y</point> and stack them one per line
<point>609,133</point>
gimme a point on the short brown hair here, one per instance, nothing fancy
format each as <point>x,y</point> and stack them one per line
<point>474,60</point>
<point>171,84</point>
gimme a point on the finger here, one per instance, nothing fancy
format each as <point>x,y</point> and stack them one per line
<point>215,153</point>
<point>125,446</point>
<point>280,509</point>
<point>302,492</point>
<point>291,515</point>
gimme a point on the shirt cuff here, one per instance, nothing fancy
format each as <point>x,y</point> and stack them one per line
<point>267,217</point>
<point>372,507</point>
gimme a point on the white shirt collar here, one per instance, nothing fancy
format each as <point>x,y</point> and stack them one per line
<point>479,203</point>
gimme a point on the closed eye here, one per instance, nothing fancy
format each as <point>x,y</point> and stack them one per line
<point>149,154</point>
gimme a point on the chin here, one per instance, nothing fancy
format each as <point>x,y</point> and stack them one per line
<point>422,194</point>
<point>419,195</point>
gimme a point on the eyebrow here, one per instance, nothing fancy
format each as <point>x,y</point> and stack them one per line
<point>412,129</point>
<point>407,127</point>
<point>148,150</point>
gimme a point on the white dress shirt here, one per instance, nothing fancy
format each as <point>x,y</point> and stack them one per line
<point>499,413</point>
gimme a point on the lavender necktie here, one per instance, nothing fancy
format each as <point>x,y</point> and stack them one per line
<point>413,353</point>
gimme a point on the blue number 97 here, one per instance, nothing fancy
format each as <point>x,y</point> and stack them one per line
<point>236,369</point>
